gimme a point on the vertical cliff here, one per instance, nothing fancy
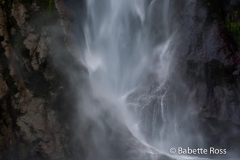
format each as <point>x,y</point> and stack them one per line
<point>36,99</point>
<point>198,100</point>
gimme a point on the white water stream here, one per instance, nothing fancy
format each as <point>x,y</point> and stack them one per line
<point>126,40</point>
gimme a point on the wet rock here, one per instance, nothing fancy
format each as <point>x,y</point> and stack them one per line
<point>202,87</point>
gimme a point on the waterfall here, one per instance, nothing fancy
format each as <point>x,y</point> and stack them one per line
<point>130,57</point>
<point>125,42</point>
<point>116,54</point>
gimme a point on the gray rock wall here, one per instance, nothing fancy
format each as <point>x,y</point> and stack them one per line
<point>33,86</point>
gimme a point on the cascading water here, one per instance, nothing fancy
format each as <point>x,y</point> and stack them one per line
<point>129,54</point>
<point>125,42</point>
<point>116,54</point>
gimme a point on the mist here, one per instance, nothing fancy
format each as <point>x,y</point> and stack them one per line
<point>140,56</point>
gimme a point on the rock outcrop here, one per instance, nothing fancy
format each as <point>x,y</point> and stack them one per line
<point>199,100</point>
<point>33,82</point>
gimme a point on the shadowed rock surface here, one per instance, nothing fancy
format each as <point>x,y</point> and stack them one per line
<point>41,109</point>
<point>199,101</point>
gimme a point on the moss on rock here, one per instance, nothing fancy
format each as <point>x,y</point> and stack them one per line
<point>233,24</point>
<point>45,4</point>
<point>227,14</point>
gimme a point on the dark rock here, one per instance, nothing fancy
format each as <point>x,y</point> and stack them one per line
<point>197,104</point>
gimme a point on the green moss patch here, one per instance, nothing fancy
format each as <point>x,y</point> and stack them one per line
<point>46,4</point>
<point>233,24</point>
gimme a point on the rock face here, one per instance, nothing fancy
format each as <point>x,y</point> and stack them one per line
<point>199,99</point>
<point>47,108</point>
<point>34,100</point>
<point>44,115</point>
